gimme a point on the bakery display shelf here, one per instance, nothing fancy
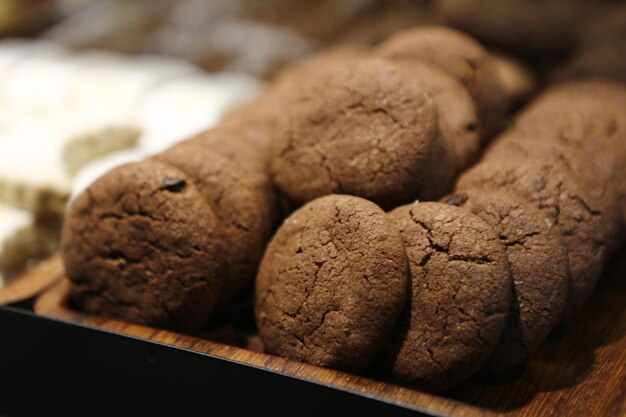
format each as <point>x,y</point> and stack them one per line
<point>581,370</point>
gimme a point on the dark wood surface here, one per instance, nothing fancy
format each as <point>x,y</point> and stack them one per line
<point>580,371</point>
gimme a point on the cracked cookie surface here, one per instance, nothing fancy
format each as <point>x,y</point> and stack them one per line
<point>459,298</point>
<point>588,115</point>
<point>514,146</point>
<point>141,244</point>
<point>237,205</point>
<point>460,56</point>
<point>569,201</point>
<point>538,265</point>
<point>365,127</point>
<point>331,284</point>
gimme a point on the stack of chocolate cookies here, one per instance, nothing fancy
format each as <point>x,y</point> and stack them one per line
<point>366,275</point>
<point>170,240</point>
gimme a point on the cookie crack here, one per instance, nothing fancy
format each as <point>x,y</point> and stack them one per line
<point>586,207</point>
<point>521,241</point>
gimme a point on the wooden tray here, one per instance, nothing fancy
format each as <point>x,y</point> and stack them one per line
<point>581,370</point>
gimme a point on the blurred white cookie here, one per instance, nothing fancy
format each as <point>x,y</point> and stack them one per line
<point>180,108</point>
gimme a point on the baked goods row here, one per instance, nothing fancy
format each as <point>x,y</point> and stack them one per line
<point>372,124</point>
<point>69,115</point>
<point>426,294</point>
<point>492,269</point>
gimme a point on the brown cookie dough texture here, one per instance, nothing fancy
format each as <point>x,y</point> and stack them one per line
<point>513,146</point>
<point>365,127</point>
<point>538,265</point>
<point>331,284</point>
<point>459,299</point>
<point>142,244</point>
<point>569,202</point>
<point>256,121</point>
<point>515,78</point>
<point>585,113</point>
<point>228,142</point>
<point>458,124</point>
<point>237,205</point>
<point>588,115</point>
<point>461,57</point>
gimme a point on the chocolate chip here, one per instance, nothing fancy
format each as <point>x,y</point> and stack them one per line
<point>472,127</point>
<point>456,200</point>
<point>174,185</point>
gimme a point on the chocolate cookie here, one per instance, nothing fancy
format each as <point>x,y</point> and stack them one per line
<point>588,115</point>
<point>458,122</point>
<point>539,268</point>
<point>569,202</point>
<point>459,299</point>
<point>364,127</point>
<point>256,121</point>
<point>515,78</point>
<point>237,205</point>
<point>515,146</point>
<point>331,284</point>
<point>227,141</point>
<point>141,244</point>
<point>460,56</point>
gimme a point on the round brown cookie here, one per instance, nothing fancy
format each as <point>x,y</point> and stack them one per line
<point>458,121</point>
<point>569,201</point>
<point>237,205</point>
<point>226,141</point>
<point>331,284</point>
<point>229,142</point>
<point>514,146</point>
<point>582,113</point>
<point>459,299</point>
<point>141,244</point>
<point>515,78</point>
<point>460,56</point>
<point>365,127</point>
<point>256,121</point>
<point>588,115</point>
<point>539,268</point>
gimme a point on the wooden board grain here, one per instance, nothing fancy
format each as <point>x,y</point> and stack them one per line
<point>580,371</point>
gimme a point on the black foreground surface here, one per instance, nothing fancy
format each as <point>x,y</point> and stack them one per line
<point>50,368</point>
